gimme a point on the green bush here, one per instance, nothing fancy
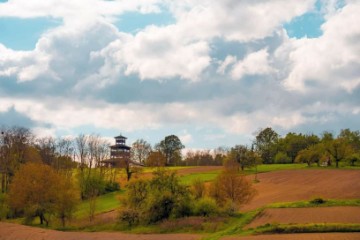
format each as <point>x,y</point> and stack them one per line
<point>182,208</point>
<point>317,200</point>
<point>112,187</point>
<point>129,216</point>
<point>160,206</point>
<point>162,197</point>
<point>206,207</point>
<point>282,157</point>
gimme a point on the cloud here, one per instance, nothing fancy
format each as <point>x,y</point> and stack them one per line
<point>235,20</point>
<point>256,63</point>
<point>330,61</point>
<point>86,74</point>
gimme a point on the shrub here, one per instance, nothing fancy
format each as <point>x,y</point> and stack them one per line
<point>112,187</point>
<point>206,207</point>
<point>317,200</point>
<point>231,186</point>
<point>160,207</point>
<point>4,208</point>
<point>282,157</point>
<point>160,198</point>
<point>198,188</point>
<point>183,208</point>
<point>129,216</point>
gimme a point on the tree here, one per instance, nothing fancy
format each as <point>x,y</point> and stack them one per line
<point>14,142</point>
<point>282,157</point>
<point>171,147</point>
<point>39,191</point>
<point>233,187</point>
<point>338,149</point>
<point>293,143</point>
<point>242,155</point>
<point>265,143</point>
<point>311,155</point>
<point>140,151</point>
<point>67,200</point>
<point>159,198</point>
<point>156,159</point>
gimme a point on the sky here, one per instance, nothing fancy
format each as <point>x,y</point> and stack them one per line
<point>211,72</point>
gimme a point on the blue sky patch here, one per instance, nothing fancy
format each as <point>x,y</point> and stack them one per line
<point>23,34</point>
<point>132,22</point>
<point>307,25</point>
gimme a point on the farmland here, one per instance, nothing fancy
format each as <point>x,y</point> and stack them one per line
<point>284,194</point>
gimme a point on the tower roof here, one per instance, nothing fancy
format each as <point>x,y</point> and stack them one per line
<point>120,137</point>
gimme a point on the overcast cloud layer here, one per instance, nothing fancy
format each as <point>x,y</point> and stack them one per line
<point>212,72</point>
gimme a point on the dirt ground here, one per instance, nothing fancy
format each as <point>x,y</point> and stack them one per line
<point>10,231</point>
<point>301,236</point>
<point>297,185</point>
<point>308,215</point>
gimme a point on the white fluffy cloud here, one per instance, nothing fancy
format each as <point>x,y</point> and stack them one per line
<point>332,60</point>
<point>256,63</point>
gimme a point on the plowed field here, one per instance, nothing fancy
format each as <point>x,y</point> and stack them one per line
<point>297,185</point>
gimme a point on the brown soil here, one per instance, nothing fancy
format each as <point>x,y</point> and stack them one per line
<point>301,236</point>
<point>297,185</point>
<point>10,231</point>
<point>308,215</point>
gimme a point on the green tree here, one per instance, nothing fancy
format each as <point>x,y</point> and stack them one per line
<point>265,144</point>
<point>171,147</point>
<point>242,155</point>
<point>160,198</point>
<point>293,143</point>
<point>311,155</point>
<point>282,157</point>
<point>338,149</point>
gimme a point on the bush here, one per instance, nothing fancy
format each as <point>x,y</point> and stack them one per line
<point>231,186</point>
<point>282,158</point>
<point>317,200</point>
<point>4,207</point>
<point>129,216</point>
<point>112,187</point>
<point>160,198</point>
<point>206,207</point>
<point>198,188</point>
<point>182,208</point>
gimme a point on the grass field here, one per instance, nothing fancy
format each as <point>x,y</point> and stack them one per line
<point>104,203</point>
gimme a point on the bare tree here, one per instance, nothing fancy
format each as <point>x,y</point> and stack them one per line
<point>140,151</point>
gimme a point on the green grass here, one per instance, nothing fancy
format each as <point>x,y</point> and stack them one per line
<point>205,177</point>
<point>152,169</point>
<point>104,203</point>
<point>236,225</point>
<point>307,228</point>
<point>275,167</point>
<point>327,203</point>
<point>210,176</point>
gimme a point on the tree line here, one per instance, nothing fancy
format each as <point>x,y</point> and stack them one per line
<point>268,147</point>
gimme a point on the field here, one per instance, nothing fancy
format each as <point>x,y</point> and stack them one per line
<point>282,203</point>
